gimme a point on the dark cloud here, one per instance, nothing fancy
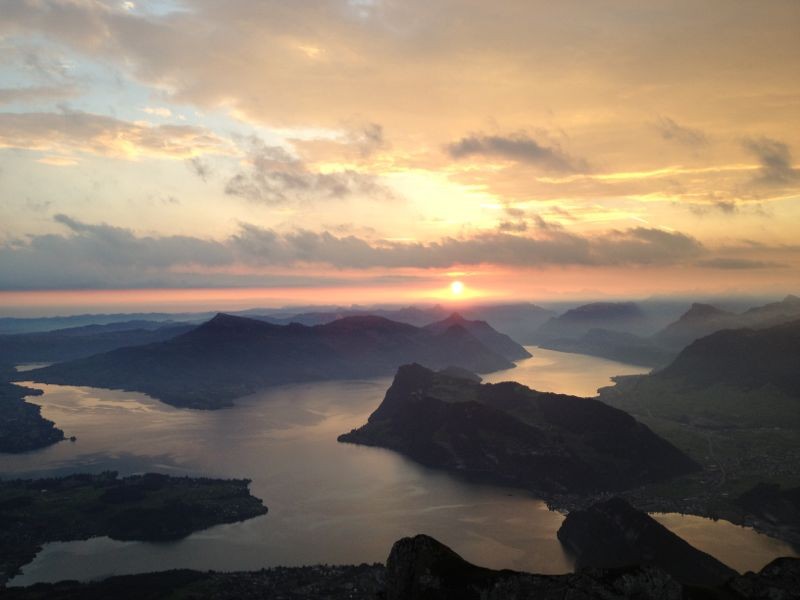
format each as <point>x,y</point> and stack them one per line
<point>545,225</point>
<point>517,147</point>
<point>517,226</point>
<point>689,136</point>
<point>739,263</point>
<point>368,138</point>
<point>199,167</point>
<point>726,207</point>
<point>103,256</point>
<point>776,161</point>
<point>274,176</point>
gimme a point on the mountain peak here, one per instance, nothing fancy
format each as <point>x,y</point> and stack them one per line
<point>699,310</point>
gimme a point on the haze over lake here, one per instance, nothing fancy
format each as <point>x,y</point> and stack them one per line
<point>328,502</point>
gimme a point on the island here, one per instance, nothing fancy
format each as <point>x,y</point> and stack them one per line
<point>509,434</point>
<point>149,507</point>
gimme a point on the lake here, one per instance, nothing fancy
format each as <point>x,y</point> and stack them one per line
<point>328,502</point>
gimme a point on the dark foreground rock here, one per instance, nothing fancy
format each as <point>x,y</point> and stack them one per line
<point>421,568</point>
<point>613,534</point>
<point>508,434</point>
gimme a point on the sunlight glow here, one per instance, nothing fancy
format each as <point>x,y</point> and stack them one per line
<point>456,288</point>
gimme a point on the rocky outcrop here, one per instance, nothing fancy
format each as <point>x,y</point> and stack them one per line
<point>509,434</point>
<point>613,534</point>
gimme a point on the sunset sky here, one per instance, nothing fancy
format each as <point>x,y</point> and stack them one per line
<point>271,152</point>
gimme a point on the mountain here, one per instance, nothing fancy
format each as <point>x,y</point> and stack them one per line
<point>704,319</point>
<point>613,534</point>
<point>509,434</point>
<point>10,325</point>
<point>228,357</point>
<point>773,313</point>
<point>746,359</point>
<point>623,338</point>
<point>741,378</point>
<point>498,343</point>
<point>77,342</point>
<point>519,321</point>
<point>617,316</point>
<point>776,506</point>
<point>700,320</point>
<point>412,315</point>
<point>614,345</point>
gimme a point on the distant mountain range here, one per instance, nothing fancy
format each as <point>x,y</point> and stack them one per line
<point>77,342</point>
<point>610,330</point>
<point>229,356</point>
<point>509,434</point>
<point>703,319</point>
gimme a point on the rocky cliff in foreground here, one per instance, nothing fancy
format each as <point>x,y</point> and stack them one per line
<point>421,568</point>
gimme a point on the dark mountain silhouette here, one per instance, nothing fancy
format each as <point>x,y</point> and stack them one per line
<point>520,321</point>
<point>509,434</point>
<point>498,343</point>
<point>77,342</point>
<point>229,357</point>
<point>704,319</point>
<point>777,506</point>
<point>613,534</point>
<point>741,378</point>
<point>747,359</point>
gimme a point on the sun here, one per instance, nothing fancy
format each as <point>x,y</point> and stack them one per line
<point>456,288</point>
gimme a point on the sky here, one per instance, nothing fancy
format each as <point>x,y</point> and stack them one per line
<point>335,151</point>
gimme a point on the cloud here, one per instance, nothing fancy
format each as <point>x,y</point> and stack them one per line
<point>105,256</point>
<point>726,207</point>
<point>368,138</point>
<point>738,263</point>
<point>199,167</point>
<point>517,147</point>
<point>518,226</point>
<point>72,131</point>
<point>274,176</point>
<point>776,161</point>
<point>688,136</point>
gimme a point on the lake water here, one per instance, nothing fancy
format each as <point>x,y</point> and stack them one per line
<point>328,502</point>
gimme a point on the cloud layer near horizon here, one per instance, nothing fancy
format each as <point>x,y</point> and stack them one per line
<point>103,256</point>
